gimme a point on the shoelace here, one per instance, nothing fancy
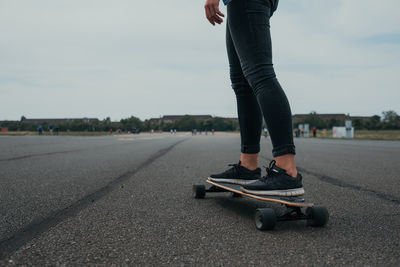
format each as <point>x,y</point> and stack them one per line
<point>269,170</point>
<point>236,168</point>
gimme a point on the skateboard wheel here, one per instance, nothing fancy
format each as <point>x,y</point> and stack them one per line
<point>265,219</point>
<point>199,190</point>
<point>318,216</point>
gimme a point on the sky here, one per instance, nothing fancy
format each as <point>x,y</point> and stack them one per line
<point>122,58</point>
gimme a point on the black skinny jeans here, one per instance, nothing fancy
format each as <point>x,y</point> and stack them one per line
<point>257,90</point>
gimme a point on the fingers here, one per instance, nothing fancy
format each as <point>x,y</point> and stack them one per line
<point>220,13</point>
<point>217,19</point>
<point>213,14</point>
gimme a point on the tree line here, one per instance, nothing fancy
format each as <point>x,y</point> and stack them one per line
<point>188,123</point>
<point>131,124</point>
<point>389,120</point>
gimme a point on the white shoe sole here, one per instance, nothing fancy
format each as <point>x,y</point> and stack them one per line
<point>232,181</point>
<point>283,193</point>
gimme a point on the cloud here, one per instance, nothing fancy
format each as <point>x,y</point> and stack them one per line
<point>364,18</point>
<point>145,58</point>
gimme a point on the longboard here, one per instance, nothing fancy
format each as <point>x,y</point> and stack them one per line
<point>266,218</point>
<point>290,201</point>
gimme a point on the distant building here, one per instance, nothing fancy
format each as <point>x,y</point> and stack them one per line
<point>155,120</point>
<point>326,116</point>
<point>329,116</point>
<point>360,118</point>
<point>332,119</point>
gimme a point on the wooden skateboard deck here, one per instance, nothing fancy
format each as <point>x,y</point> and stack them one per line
<point>296,201</point>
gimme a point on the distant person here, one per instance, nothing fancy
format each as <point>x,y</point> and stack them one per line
<point>111,130</point>
<point>258,95</point>
<point>314,132</point>
<point>40,129</point>
<point>212,131</point>
<point>51,129</point>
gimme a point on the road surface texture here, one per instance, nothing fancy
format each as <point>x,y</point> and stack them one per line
<point>127,200</point>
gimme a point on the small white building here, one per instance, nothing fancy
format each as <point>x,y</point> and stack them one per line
<point>343,132</point>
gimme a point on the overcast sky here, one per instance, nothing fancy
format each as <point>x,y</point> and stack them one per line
<point>150,58</point>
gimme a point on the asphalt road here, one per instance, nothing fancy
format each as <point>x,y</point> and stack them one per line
<point>126,200</point>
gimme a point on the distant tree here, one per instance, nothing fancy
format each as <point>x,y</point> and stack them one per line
<point>63,126</point>
<point>76,125</point>
<point>374,123</point>
<point>148,125</point>
<point>12,125</point>
<point>315,120</point>
<point>168,126</point>
<point>131,123</point>
<point>94,125</point>
<point>357,124</point>
<point>222,124</point>
<point>105,124</point>
<point>22,118</point>
<point>391,120</point>
<point>389,116</point>
<point>376,118</point>
<point>332,122</point>
<point>187,123</point>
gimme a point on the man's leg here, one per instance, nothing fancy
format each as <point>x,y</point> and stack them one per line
<point>249,113</point>
<point>248,22</point>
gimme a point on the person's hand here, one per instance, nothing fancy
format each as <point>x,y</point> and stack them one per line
<point>212,12</point>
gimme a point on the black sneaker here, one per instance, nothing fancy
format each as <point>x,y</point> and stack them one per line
<point>237,175</point>
<point>276,183</point>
